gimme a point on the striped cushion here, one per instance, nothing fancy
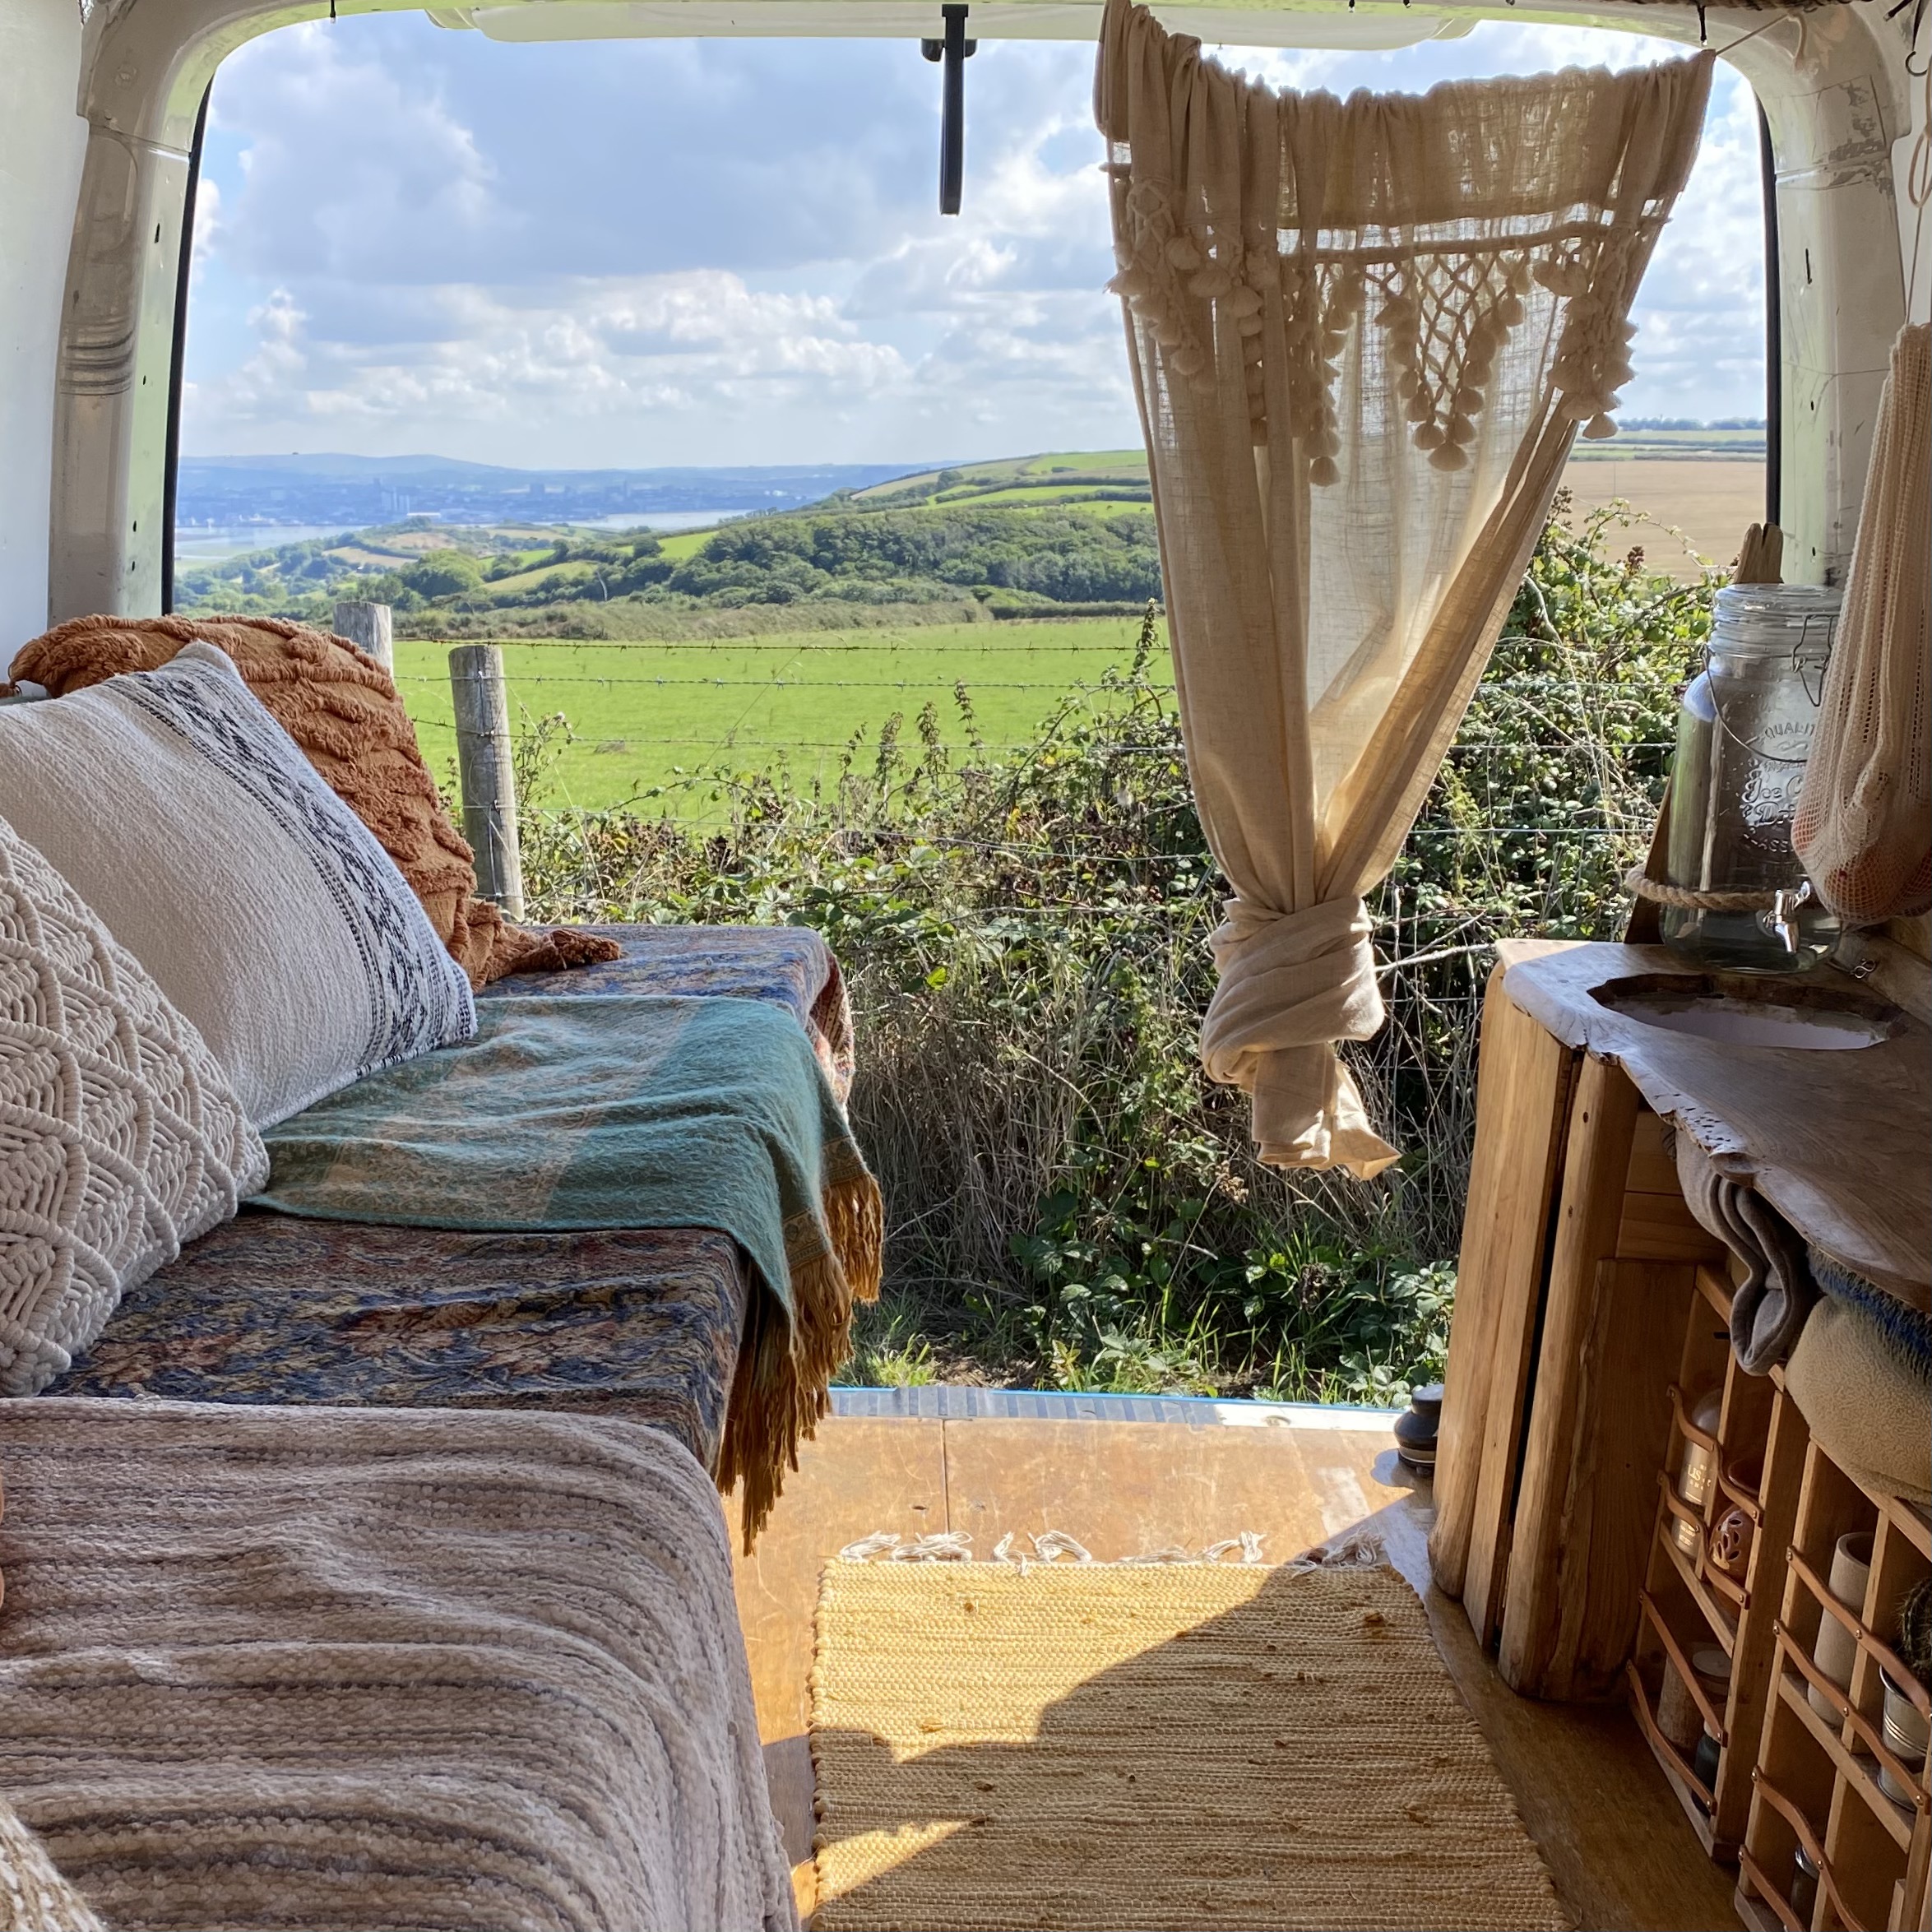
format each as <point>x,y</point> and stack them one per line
<point>186,816</point>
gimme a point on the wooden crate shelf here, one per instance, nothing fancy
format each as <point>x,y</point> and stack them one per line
<point>1688,1600</point>
<point>1591,1346</point>
<point>1816,1783</point>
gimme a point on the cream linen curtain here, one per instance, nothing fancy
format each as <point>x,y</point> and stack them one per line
<point>1363,334</point>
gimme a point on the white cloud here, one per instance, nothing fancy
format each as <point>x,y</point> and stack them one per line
<point>608,354</point>
<point>1699,351</point>
<point>211,234</point>
<point>276,370</point>
<point>633,252</point>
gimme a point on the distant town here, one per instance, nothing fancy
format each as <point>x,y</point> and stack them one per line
<point>350,493</point>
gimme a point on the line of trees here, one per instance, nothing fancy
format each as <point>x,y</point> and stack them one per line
<point>1046,556</point>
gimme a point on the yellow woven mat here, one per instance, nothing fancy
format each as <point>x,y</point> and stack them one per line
<point>1164,1747</point>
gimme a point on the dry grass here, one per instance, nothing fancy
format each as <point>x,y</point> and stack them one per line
<point>1711,501</point>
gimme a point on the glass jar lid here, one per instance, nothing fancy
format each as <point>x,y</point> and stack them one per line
<point>1783,620</point>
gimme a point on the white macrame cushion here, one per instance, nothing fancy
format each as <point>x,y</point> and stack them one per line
<point>120,1136</point>
<point>186,818</point>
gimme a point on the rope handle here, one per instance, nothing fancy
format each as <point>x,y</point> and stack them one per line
<point>1693,899</point>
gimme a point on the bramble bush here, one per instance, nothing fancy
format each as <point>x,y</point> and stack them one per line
<point>1070,1202</point>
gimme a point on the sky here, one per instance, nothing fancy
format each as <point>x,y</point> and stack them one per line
<point>632,253</point>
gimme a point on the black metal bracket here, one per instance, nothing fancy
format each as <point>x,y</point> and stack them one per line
<point>955,49</point>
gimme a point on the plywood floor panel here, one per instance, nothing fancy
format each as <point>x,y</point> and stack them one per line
<point>858,1476</point>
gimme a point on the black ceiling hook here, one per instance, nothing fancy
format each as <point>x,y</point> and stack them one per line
<point>955,49</point>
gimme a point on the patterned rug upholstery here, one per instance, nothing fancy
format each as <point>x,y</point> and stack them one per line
<point>641,1322</point>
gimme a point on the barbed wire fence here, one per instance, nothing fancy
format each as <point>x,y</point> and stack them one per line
<point>493,708</point>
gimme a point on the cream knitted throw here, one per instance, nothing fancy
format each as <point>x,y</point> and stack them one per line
<point>355,1667</point>
<point>34,1897</point>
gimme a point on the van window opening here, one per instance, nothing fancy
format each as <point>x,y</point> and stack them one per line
<point>465,341</point>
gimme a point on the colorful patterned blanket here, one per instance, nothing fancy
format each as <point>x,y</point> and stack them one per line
<point>626,1110</point>
<point>788,965</point>
<point>640,1322</point>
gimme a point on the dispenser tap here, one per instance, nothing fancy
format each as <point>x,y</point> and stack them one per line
<point>1781,920</point>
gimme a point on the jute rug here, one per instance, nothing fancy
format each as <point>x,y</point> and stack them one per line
<point>1168,1746</point>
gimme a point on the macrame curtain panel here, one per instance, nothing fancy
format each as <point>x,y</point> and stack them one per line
<point>1362,334</point>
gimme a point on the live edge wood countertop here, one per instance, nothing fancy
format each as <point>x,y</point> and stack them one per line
<point>1839,1143</point>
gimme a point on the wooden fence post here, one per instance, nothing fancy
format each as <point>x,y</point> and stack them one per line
<point>486,773</point>
<point>367,625</point>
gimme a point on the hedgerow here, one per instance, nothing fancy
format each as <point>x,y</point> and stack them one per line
<point>1070,1202</point>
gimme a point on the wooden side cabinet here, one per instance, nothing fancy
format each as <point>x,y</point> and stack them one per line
<point>1823,1765</point>
<point>1578,1256</point>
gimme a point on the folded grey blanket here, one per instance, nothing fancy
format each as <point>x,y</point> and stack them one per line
<point>346,1668</point>
<point>1768,1307</point>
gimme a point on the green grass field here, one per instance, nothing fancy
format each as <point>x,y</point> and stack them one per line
<point>972,479</point>
<point>1078,496</point>
<point>528,580</point>
<point>640,713</point>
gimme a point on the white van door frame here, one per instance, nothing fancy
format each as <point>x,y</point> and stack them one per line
<point>1832,79</point>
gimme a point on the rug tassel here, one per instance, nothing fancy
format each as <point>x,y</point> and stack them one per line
<point>1051,1545</point>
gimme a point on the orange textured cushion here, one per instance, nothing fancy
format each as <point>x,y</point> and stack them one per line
<point>341,707</point>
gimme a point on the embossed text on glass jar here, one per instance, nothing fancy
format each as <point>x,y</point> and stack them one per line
<point>1744,734</point>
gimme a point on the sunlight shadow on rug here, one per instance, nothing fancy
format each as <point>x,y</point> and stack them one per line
<point>1170,1747</point>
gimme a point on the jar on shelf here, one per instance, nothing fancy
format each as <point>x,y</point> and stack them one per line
<point>1803,1885</point>
<point>1836,1649</point>
<point>1744,736</point>
<point>1904,1732</point>
<point>1697,1470</point>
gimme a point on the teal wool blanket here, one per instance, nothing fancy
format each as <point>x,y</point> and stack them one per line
<point>626,1111</point>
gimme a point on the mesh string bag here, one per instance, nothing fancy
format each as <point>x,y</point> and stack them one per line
<point>1864,826</point>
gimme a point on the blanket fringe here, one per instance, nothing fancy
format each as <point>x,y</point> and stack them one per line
<point>855,1219</point>
<point>785,1369</point>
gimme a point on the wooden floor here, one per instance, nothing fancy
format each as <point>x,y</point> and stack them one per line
<point>1616,1844</point>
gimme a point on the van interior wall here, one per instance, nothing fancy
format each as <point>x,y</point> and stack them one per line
<point>1840,103</point>
<point>42,141</point>
<point>1915,223</point>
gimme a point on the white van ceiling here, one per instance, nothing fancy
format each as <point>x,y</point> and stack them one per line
<point>1368,28</point>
